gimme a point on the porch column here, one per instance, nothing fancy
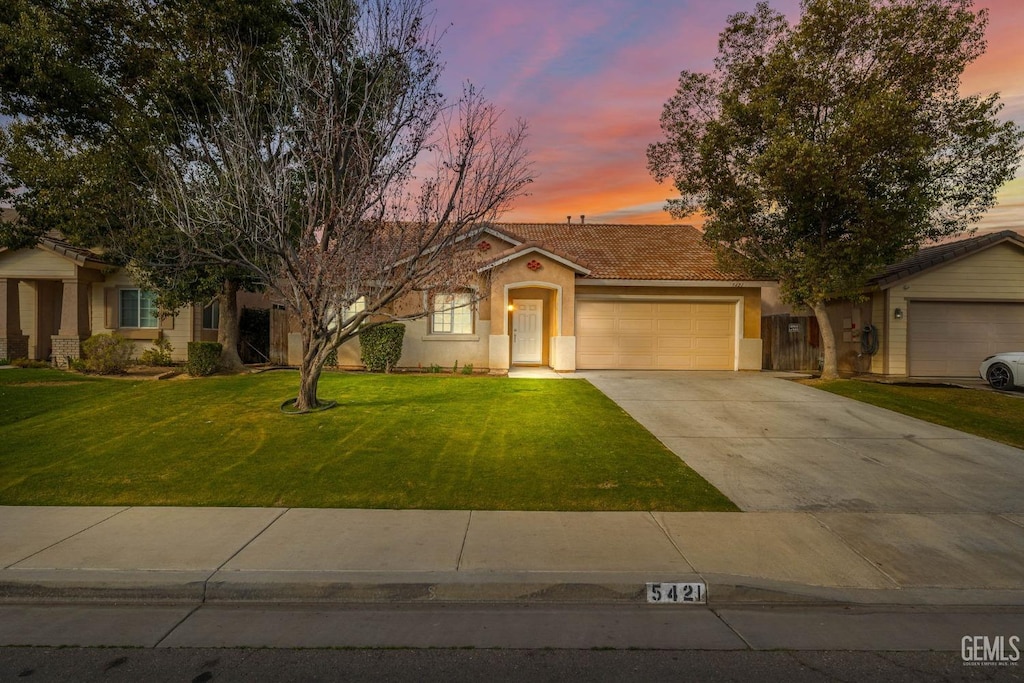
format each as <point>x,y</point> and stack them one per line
<point>74,323</point>
<point>563,354</point>
<point>499,352</point>
<point>13,344</point>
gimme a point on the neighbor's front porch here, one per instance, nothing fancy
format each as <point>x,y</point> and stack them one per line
<point>43,318</point>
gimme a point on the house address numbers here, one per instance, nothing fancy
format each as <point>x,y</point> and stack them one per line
<point>677,593</point>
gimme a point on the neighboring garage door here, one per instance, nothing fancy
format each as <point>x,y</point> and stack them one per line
<point>950,339</point>
<point>655,336</point>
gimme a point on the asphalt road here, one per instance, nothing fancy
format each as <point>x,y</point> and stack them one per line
<point>34,665</point>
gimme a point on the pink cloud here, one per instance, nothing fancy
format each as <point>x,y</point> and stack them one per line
<point>591,78</point>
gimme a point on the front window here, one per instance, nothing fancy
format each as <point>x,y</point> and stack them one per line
<point>347,313</point>
<point>211,316</point>
<point>350,311</point>
<point>452,314</point>
<point>138,308</point>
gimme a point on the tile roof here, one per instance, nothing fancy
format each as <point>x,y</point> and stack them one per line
<point>626,252</point>
<point>56,243</point>
<point>930,257</point>
<point>532,247</point>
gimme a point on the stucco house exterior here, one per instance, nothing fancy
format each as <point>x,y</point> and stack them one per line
<point>55,295</point>
<point>564,296</point>
<point>940,312</point>
<point>587,296</point>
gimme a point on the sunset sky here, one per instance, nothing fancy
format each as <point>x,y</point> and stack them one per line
<point>591,76</point>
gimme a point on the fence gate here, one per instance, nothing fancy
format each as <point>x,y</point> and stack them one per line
<point>278,335</point>
<point>790,342</point>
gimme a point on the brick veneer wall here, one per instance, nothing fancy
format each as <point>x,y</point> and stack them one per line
<point>14,346</point>
<point>64,348</point>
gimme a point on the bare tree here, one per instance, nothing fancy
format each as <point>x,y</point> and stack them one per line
<point>341,175</point>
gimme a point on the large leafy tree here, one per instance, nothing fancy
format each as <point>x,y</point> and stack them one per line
<point>92,92</point>
<point>826,149</point>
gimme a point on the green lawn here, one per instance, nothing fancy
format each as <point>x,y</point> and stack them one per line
<point>985,413</point>
<point>396,441</point>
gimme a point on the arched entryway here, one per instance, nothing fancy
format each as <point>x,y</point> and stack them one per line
<point>534,323</point>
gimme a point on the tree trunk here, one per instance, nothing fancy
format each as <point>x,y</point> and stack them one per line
<point>313,358</point>
<point>228,333</point>
<point>309,378</point>
<point>830,366</point>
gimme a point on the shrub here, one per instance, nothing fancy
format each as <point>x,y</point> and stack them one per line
<point>26,363</point>
<point>106,354</point>
<point>203,358</point>
<point>382,346</point>
<point>332,359</point>
<point>467,369</point>
<point>159,354</point>
<point>5,361</point>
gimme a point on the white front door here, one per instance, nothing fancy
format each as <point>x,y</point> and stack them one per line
<point>527,330</point>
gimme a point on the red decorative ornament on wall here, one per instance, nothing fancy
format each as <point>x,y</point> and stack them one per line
<point>484,245</point>
<point>534,265</point>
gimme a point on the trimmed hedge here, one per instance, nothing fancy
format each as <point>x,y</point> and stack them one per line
<point>106,354</point>
<point>382,346</point>
<point>203,358</point>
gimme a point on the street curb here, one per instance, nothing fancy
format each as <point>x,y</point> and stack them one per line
<point>91,585</point>
<point>325,588</point>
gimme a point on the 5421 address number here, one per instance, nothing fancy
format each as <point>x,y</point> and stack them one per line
<point>677,593</point>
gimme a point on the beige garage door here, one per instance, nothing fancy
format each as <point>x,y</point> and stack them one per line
<point>655,336</point>
<point>950,339</point>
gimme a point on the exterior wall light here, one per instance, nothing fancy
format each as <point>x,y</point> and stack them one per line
<point>898,314</point>
<point>511,307</point>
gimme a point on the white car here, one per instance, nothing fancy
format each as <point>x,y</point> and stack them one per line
<point>1004,370</point>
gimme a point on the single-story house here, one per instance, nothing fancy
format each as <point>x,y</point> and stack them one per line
<point>565,296</point>
<point>587,296</point>
<point>938,313</point>
<point>55,295</point>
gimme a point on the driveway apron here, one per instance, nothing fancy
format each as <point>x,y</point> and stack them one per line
<point>773,444</point>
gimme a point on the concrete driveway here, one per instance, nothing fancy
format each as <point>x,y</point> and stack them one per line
<point>772,444</point>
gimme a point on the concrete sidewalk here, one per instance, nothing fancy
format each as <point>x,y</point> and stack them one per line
<point>196,555</point>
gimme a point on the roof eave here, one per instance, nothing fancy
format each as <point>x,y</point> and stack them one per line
<point>640,282</point>
<point>887,282</point>
<point>72,255</point>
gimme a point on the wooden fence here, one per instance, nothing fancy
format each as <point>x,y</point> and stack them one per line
<point>278,335</point>
<point>790,342</point>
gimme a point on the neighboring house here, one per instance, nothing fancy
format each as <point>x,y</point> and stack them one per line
<point>55,295</point>
<point>940,312</point>
<point>587,296</point>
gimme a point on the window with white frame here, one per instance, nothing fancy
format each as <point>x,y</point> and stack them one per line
<point>356,307</point>
<point>347,313</point>
<point>138,308</point>
<point>211,315</point>
<point>452,313</point>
